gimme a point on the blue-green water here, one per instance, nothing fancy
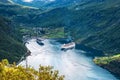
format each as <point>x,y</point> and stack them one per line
<point>72,63</point>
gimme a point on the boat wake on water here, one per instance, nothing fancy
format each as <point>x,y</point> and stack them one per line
<point>72,63</point>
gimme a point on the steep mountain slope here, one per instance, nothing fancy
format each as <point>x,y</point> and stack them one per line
<point>92,23</point>
<point>10,46</point>
<point>19,15</point>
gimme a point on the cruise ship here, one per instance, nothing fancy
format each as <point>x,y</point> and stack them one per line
<point>68,46</point>
<point>39,41</point>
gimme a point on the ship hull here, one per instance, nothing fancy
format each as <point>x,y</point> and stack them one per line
<point>65,49</point>
<point>68,46</point>
<point>39,42</point>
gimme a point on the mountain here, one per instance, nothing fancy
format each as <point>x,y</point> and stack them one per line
<point>11,46</point>
<point>93,24</point>
<point>12,18</point>
<point>19,15</point>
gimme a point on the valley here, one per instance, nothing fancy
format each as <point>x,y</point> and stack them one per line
<point>94,24</point>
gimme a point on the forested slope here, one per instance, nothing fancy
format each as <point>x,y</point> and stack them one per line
<point>11,46</point>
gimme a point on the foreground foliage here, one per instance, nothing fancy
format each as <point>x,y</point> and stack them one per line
<point>13,72</point>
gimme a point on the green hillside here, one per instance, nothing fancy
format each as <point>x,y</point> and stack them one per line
<point>19,15</point>
<point>93,24</point>
<point>11,47</point>
<point>111,63</point>
<point>13,18</point>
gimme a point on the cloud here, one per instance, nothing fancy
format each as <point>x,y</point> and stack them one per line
<point>51,0</point>
<point>27,0</point>
<point>38,0</point>
<point>47,0</point>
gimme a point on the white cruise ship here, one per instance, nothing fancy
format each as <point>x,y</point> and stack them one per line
<point>67,46</point>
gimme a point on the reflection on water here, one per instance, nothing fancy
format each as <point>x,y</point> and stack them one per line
<point>72,63</point>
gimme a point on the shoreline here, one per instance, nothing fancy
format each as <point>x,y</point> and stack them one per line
<point>89,52</point>
<point>94,53</point>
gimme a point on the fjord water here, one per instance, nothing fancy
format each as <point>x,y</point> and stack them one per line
<point>72,63</point>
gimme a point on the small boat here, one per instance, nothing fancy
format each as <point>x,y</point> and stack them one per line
<point>39,41</point>
<point>28,53</point>
<point>67,46</point>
